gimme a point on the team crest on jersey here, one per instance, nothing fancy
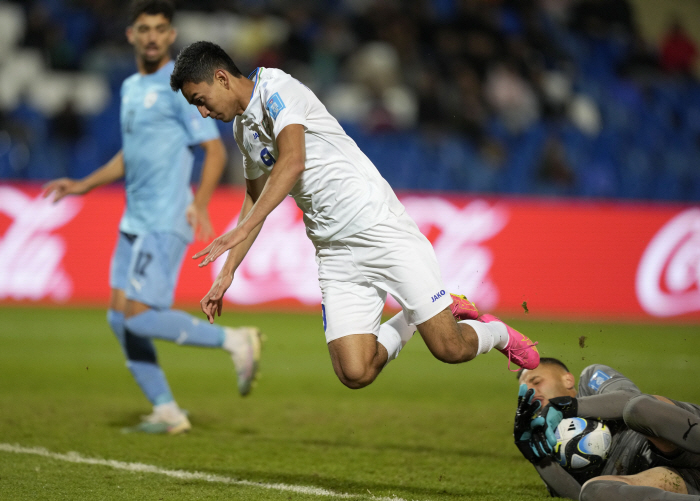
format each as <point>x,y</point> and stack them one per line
<point>598,379</point>
<point>150,99</point>
<point>274,105</point>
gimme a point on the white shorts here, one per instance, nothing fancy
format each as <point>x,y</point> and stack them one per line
<point>356,273</point>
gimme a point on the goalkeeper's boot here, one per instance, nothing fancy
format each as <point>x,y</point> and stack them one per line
<point>244,345</point>
<point>520,350</point>
<point>167,419</point>
<point>462,308</point>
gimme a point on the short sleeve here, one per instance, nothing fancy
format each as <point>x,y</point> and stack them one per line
<point>597,379</point>
<point>199,129</point>
<point>286,104</point>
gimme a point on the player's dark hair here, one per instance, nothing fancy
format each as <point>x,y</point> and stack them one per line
<point>152,8</point>
<point>198,62</point>
<point>547,361</point>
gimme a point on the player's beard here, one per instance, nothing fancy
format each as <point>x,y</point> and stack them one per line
<point>152,63</point>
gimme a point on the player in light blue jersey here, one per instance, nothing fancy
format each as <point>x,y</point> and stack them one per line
<point>161,217</point>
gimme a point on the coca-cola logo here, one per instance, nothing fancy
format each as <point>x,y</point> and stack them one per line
<point>668,276</point>
<point>281,264</point>
<point>30,255</point>
<point>458,236</point>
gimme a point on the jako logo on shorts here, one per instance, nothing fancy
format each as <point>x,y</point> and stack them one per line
<point>438,295</point>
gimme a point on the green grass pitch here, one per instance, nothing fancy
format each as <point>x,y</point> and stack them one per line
<point>423,431</point>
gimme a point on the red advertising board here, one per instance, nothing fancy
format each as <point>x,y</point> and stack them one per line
<point>562,258</point>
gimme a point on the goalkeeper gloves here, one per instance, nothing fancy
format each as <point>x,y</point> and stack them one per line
<point>531,443</point>
<point>557,409</point>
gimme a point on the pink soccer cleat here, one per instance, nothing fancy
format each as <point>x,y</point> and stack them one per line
<point>520,350</point>
<point>462,308</point>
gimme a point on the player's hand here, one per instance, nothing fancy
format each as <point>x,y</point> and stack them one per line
<point>536,448</point>
<point>62,187</point>
<point>221,244</point>
<point>532,445</point>
<point>198,219</point>
<point>557,409</point>
<point>213,302</point>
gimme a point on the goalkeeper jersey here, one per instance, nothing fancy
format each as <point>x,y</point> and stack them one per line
<point>629,451</point>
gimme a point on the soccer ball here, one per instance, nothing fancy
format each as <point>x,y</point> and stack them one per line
<point>582,444</point>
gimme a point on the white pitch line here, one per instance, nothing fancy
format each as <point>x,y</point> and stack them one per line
<point>74,457</point>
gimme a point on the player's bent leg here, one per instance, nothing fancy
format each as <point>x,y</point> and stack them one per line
<point>357,359</point>
<point>172,325</point>
<point>141,360</point>
<point>462,308</point>
<point>666,424</point>
<point>655,484</point>
<point>519,349</point>
<point>453,342</point>
<point>447,340</point>
<point>140,354</point>
<point>242,343</point>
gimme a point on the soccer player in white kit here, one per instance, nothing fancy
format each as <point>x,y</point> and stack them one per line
<point>366,245</point>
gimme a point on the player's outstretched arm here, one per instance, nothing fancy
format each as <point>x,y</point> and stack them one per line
<point>212,169</point>
<point>108,173</point>
<point>284,175</point>
<point>559,483</point>
<point>212,303</point>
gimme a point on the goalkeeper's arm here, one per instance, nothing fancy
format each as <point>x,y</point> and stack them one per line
<point>559,483</point>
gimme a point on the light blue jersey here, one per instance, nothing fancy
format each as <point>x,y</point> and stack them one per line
<point>158,128</point>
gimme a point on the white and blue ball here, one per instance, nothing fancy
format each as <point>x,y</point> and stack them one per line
<point>582,444</point>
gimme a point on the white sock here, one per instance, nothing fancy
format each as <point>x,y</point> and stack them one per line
<point>491,335</point>
<point>169,411</point>
<point>394,334</point>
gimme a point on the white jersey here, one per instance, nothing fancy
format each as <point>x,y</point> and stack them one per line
<point>340,191</point>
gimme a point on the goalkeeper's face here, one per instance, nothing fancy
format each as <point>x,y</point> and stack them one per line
<point>549,381</point>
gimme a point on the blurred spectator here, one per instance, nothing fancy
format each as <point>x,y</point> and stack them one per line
<point>641,62</point>
<point>599,18</point>
<point>392,105</point>
<point>334,43</point>
<point>66,130</point>
<point>585,115</point>
<point>555,87</point>
<point>469,111</point>
<point>678,51</point>
<point>554,172</point>
<point>38,25</point>
<point>67,126</point>
<point>485,77</point>
<point>513,98</point>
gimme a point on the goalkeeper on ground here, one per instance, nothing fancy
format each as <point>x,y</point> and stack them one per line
<point>655,450</point>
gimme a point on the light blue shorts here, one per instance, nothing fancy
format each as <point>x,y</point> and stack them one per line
<point>146,267</point>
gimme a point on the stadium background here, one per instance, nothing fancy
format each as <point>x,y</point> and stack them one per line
<point>549,149</point>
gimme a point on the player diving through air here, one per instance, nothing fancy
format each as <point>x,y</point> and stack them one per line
<point>158,127</point>
<point>366,244</point>
<point>655,448</point>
